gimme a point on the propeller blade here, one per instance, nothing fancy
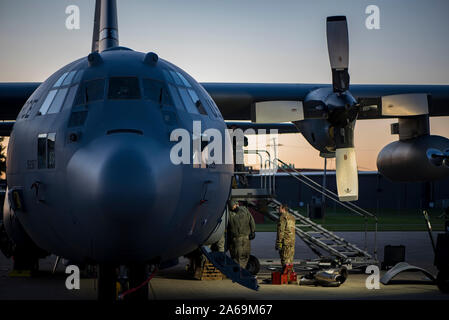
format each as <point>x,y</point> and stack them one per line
<point>347,175</point>
<point>338,48</point>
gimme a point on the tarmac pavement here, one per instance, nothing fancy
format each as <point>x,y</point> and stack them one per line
<point>175,283</point>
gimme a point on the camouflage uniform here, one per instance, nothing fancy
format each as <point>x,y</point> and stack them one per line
<point>285,240</point>
<point>241,226</point>
<point>219,246</point>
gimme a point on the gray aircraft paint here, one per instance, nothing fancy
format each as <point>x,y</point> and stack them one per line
<point>114,196</point>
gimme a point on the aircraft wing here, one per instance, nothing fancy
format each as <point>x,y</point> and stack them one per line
<point>235,100</point>
<point>280,127</point>
<point>13,96</point>
<point>6,128</point>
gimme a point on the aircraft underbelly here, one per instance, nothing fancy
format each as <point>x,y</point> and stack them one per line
<point>123,228</point>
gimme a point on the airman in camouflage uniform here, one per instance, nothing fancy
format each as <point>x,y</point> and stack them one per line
<point>241,229</point>
<point>285,241</point>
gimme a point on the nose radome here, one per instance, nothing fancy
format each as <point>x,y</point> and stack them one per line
<point>127,182</point>
<point>117,174</point>
<point>127,188</point>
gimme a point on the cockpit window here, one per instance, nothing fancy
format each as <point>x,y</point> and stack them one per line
<point>94,90</point>
<point>70,96</point>
<point>78,76</point>
<point>124,88</point>
<point>56,105</point>
<point>68,78</point>
<point>188,103</point>
<point>176,98</point>
<point>189,96</point>
<point>67,83</point>
<point>209,102</point>
<point>156,91</point>
<point>89,91</point>
<point>175,77</point>
<point>196,101</point>
<point>214,108</point>
<point>47,102</point>
<point>184,80</point>
<point>60,80</point>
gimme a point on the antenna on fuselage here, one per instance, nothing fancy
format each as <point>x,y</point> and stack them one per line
<point>105,32</point>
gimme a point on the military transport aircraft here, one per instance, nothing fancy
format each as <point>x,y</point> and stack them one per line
<point>89,174</point>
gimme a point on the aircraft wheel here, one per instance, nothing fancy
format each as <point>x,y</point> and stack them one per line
<point>443,281</point>
<point>253,265</point>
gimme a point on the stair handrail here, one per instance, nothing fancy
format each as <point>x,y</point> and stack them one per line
<point>267,173</point>
<point>350,206</point>
<point>353,207</point>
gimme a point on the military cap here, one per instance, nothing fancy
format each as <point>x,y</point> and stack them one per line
<point>232,203</point>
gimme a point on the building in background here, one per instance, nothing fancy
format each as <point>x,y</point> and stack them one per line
<point>376,193</point>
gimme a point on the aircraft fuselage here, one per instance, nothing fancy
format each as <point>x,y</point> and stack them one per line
<point>90,154</point>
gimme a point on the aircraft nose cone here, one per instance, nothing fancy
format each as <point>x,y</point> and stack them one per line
<point>125,193</point>
<point>127,179</point>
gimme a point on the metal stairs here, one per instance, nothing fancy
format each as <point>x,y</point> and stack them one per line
<point>317,238</point>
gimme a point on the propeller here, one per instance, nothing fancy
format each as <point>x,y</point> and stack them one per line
<point>343,109</point>
<point>338,107</point>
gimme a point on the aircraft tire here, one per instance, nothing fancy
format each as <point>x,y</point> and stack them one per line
<point>253,265</point>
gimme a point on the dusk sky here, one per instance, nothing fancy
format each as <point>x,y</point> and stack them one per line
<point>247,41</point>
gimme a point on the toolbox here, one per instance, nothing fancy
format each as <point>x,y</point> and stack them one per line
<point>287,276</point>
<point>279,278</point>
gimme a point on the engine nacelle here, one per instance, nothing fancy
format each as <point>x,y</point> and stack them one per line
<point>414,160</point>
<point>317,133</point>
